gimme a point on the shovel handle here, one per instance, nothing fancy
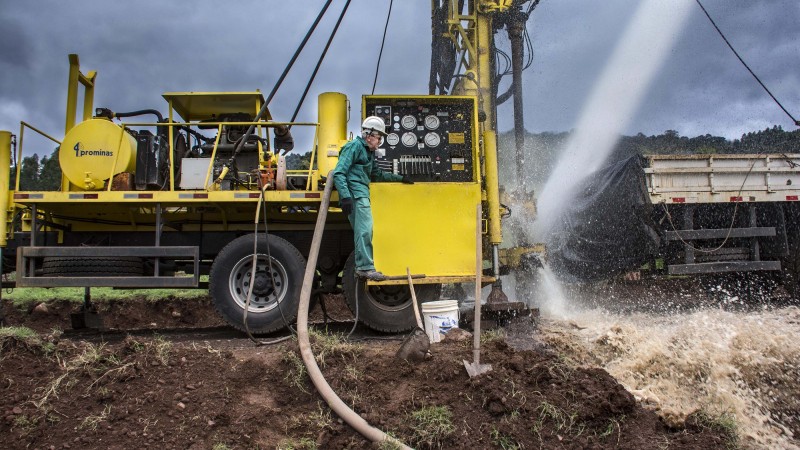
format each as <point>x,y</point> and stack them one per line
<point>476,337</point>
<point>414,299</point>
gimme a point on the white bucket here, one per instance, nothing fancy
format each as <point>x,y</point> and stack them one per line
<point>439,317</point>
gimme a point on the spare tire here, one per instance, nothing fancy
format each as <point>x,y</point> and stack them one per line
<point>95,266</point>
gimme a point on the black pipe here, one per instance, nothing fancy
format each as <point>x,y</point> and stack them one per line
<point>252,145</point>
<point>516,27</point>
<point>140,112</point>
<point>278,83</point>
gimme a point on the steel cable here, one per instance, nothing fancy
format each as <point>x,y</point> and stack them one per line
<point>383,41</point>
<point>319,62</point>
<point>796,122</point>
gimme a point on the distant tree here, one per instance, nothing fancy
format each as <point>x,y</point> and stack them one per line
<point>50,175</point>
<point>39,175</point>
<point>297,161</point>
<point>29,173</point>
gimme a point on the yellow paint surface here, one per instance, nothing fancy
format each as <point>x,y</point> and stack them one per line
<point>428,227</point>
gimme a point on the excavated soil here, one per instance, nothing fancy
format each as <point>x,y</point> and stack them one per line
<point>150,391</point>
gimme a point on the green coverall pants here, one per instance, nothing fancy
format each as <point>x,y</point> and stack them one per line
<point>361,221</point>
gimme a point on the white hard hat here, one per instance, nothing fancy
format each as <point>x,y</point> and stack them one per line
<point>374,123</point>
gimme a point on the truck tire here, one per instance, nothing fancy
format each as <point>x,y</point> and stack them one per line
<point>384,308</point>
<point>271,309</point>
<point>98,266</point>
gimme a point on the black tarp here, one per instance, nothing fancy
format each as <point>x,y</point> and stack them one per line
<point>605,227</point>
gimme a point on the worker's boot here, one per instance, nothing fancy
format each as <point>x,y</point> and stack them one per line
<point>372,275</point>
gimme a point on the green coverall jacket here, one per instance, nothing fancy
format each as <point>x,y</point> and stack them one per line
<point>356,168</point>
<point>352,175</point>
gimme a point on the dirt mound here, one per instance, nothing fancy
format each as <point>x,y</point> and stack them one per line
<point>128,314</point>
<point>150,392</point>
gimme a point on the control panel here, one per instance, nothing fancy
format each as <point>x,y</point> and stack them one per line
<point>430,138</point>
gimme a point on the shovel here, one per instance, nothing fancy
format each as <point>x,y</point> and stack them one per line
<point>475,368</point>
<point>416,345</point>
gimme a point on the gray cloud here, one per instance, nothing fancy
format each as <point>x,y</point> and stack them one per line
<point>145,48</point>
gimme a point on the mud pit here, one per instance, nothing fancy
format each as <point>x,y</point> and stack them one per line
<point>153,391</point>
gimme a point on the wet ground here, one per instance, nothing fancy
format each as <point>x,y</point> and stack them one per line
<point>169,374</point>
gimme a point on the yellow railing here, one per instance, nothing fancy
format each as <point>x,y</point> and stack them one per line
<point>22,126</point>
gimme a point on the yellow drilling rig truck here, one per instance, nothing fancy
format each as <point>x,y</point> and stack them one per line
<point>205,190</point>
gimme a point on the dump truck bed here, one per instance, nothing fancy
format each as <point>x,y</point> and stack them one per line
<point>721,178</point>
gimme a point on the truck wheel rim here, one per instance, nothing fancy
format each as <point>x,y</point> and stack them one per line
<point>389,298</point>
<point>265,298</point>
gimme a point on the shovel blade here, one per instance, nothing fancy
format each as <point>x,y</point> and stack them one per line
<point>476,369</point>
<point>415,347</point>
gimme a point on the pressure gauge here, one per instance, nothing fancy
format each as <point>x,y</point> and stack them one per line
<point>432,139</point>
<point>408,122</point>
<point>409,139</point>
<point>431,122</point>
<point>393,139</point>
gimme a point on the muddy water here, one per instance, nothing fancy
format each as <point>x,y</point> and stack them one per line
<point>678,351</point>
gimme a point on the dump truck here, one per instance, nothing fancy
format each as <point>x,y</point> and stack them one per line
<point>698,214</point>
<point>205,191</point>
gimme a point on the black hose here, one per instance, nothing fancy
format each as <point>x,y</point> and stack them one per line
<point>796,122</point>
<point>319,62</point>
<point>279,82</point>
<point>140,112</point>
<point>197,135</point>
<point>272,278</point>
<point>383,41</point>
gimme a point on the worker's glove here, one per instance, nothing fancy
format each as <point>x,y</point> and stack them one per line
<point>346,204</point>
<point>406,180</point>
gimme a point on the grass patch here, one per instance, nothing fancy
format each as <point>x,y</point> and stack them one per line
<point>297,444</point>
<point>91,422</point>
<point>161,350</point>
<point>389,445</point>
<point>25,424</point>
<point>332,345</point>
<point>432,425</point>
<point>27,297</point>
<point>498,334</point>
<point>503,441</point>
<point>724,422</point>
<point>22,333</point>
<point>101,365</point>
<point>24,337</point>
<point>557,420</point>
<point>297,374</point>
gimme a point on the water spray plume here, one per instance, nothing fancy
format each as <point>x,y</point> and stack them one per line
<point>616,97</point>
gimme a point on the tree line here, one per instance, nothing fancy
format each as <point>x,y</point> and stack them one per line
<point>542,150</point>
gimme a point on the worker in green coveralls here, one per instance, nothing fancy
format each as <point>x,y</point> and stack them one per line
<point>352,175</point>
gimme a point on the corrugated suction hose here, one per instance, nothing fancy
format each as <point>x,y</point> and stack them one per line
<point>324,389</point>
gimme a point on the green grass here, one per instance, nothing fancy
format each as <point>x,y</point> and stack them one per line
<point>503,441</point>
<point>26,337</point>
<point>433,424</point>
<point>25,297</point>
<point>299,444</point>
<point>22,333</point>
<point>488,336</point>
<point>548,415</point>
<point>724,422</point>
<point>332,345</point>
<point>296,375</point>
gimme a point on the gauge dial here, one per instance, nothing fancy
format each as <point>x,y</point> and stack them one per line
<point>432,139</point>
<point>393,139</point>
<point>431,122</point>
<point>409,122</point>
<point>409,139</point>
